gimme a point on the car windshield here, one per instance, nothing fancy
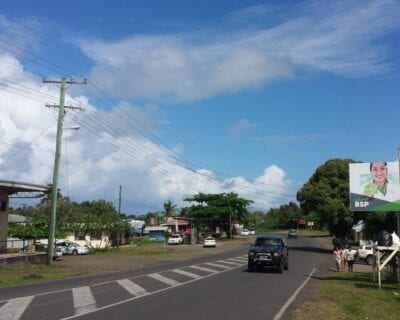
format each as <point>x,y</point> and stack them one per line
<point>175,236</point>
<point>267,242</point>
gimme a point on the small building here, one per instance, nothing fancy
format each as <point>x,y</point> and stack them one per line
<point>137,227</point>
<point>156,233</point>
<point>177,225</point>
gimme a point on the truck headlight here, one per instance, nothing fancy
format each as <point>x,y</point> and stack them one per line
<point>251,255</point>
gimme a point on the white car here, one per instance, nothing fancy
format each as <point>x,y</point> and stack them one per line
<point>175,239</point>
<point>244,232</point>
<point>73,248</point>
<point>209,242</point>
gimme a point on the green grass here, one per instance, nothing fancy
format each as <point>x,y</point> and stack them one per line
<point>352,296</point>
<point>32,273</point>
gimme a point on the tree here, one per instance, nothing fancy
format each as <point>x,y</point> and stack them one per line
<point>219,209</point>
<point>169,208</point>
<point>284,217</point>
<point>327,195</point>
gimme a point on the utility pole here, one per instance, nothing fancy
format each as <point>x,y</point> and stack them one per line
<point>119,200</point>
<point>53,213</point>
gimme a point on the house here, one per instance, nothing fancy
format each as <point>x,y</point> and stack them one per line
<point>177,225</point>
<point>137,227</point>
<point>156,233</point>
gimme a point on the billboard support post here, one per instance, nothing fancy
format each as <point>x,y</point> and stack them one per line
<point>397,259</point>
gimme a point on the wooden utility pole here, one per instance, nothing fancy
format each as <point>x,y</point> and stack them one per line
<point>61,113</point>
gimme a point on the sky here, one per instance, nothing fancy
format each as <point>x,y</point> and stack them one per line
<point>185,97</point>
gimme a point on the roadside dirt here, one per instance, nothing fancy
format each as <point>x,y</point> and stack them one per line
<point>100,263</point>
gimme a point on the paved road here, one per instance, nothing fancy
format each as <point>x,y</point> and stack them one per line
<point>204,288</point>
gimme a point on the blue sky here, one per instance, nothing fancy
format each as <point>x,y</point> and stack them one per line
<point>190,96</point>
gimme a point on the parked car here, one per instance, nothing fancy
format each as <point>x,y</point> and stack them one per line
<point>175,239</point>
<point>209,242</point>
<point>73,248</point>
<point>366,253</point>
<point>252,231</point>
<point>244,232</point>
<point>292,233</point>
<point>268,251</point>
<point>57,251</point>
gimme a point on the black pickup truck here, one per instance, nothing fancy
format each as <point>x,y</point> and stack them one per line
<point>268,251</point>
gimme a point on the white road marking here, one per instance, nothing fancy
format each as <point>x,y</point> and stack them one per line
<point>293,297</point>
<point>83,300</point>
<point>229,262</point>
<point>204,269</point>
<point>161,278</point>
<point>14,308</point>
<point>217,265</point>
<point>186,273</point>
<point>132,287</point>
<point>239,259</point>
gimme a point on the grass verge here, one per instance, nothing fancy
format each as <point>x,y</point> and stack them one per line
<point>352,296</point>
<point>32,273</point>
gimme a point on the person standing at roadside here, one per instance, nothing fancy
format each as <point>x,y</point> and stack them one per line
<point>350,257</point>
<point>337,254</point>
<point>344,257</point>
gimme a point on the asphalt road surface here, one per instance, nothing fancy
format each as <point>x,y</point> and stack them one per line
<point>204,288</point>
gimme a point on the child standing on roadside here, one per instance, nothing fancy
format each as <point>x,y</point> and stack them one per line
<point>337,254</point>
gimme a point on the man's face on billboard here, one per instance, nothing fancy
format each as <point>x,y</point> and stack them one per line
<point>379,173</point>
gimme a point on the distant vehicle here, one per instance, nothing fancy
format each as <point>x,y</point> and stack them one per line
<point>244,232</point>
<point>209,242</point>
<point>73,248</point>
<point>366,253</point>
<point>252,231</point>
<point>269,251</point>
<point>175,239</point>
<point>292,233</point>
<point>57,251</point>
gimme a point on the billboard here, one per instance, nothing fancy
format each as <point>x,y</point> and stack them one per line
<point>374,186</point>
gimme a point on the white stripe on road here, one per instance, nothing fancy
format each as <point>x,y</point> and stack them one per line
<point>204,269</point>
<point>161,278</point>
<point>217,265</point>
<point>132,287</point>
<point>229,262</point>
<point>186,273</point>
<point>293,297</point>
<point>83,300</point>
<point>239,259</point>
<point>14,308</point>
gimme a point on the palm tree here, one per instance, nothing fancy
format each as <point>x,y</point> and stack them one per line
<point>169,208</point>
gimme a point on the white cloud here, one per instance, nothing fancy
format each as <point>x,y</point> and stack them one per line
<point>336,37</point>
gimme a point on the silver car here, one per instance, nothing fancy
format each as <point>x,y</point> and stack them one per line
<point>74,248</point>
